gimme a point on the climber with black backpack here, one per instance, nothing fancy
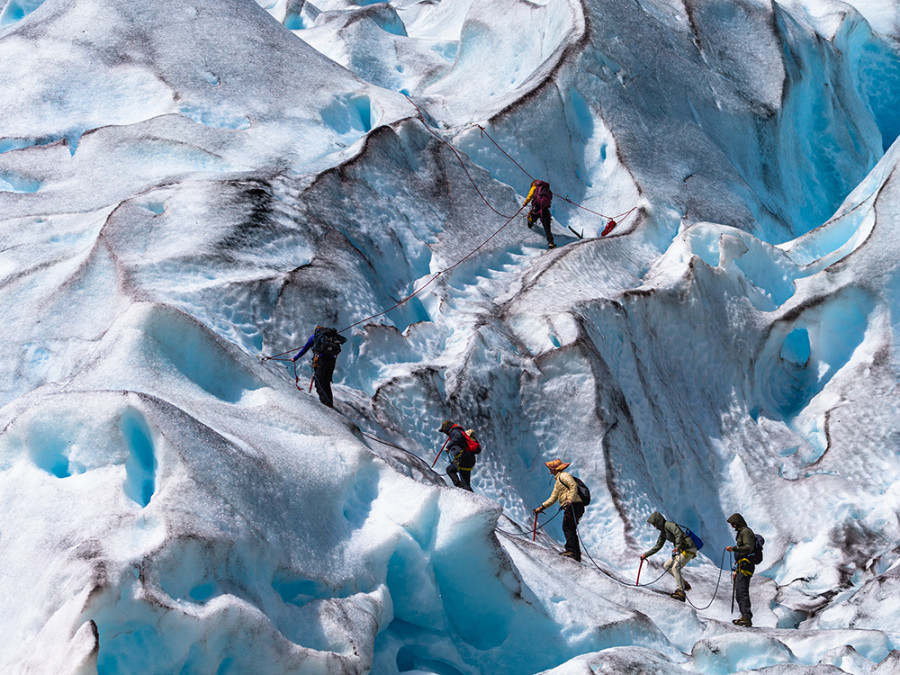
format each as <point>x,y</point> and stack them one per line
<point>540,198</point>
<point>747,555</point>
<point>325,344</point>
<point>461,446</point>
<point>572,495</point>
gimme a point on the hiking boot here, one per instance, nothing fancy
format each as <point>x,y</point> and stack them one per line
<point>678,595</point>
<point>572,555</point>
<point>687,587</point>
<point>551,245</point>
<point>743,621</point>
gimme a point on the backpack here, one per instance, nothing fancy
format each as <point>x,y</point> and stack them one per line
<point>698,542</point>
<point>472,445</point>
<point>327,341</point>
<point>542,196</point>
<point>584,493</point>
<point>756,555</point>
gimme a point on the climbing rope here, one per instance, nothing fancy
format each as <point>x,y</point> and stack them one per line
<point>624,583</point>
<point>393,445</point>
<point>421,117</point>
<point>611,576</point>
<point>718,581</point>
<point>276,357</point>
<point>510,157</point>
<point>530,530</point>
<point>615,219</point>
<point>437,274</point>
<point>462,163</point>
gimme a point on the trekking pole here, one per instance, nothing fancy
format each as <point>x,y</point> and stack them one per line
<point>310,384</point>
<point>439,452</point>
<point>638,581</point>
<point>732,592</point>
<point>534,531</point>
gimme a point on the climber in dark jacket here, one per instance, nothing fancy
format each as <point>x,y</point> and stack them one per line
<point>462,454</point>
<point>326,345</point>
<point>745,542</point>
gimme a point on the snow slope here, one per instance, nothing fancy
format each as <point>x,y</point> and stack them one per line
<point>185,189</point>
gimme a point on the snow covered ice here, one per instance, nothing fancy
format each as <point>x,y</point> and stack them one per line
<point>186,188</point>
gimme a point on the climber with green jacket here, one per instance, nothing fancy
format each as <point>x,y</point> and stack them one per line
<point>684,551</point>
<point>745,544</point>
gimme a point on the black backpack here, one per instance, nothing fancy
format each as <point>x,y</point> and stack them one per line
<point>327,341</point>
<point>584,492</point>
<point>756,556</point>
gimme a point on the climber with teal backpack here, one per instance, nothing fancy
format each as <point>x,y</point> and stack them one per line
<point>325,344</point>
<point>686,543</point>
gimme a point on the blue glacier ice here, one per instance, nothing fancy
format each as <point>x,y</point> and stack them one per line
<point>187,189</point>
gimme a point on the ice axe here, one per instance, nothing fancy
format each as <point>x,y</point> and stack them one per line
<point>580,236</point>
<point>440,451</point>
<point>638,580</point>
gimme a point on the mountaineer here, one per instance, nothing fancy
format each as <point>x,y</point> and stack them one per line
<point>566,492</point>
<point>746,555</point>
<point>540,197</point>
<point>685,550</point>
<point>462,446</point>
<point>326,345</point>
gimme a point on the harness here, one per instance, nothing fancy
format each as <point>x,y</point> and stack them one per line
<point>740,568</point>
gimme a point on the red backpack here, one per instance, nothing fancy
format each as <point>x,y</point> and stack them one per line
<point>472,445</point>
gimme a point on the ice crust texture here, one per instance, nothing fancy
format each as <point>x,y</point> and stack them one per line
<point>185,187</point>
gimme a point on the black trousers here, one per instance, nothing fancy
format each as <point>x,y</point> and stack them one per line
<point>545,221</point>
<point>571,516</point>
<point>742,588</point>
<point>460,470</point>
<point>323,371</point>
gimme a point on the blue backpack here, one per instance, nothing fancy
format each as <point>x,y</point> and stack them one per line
<point>698,542</point>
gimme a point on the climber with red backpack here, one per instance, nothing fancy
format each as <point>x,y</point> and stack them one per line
<point>461,446</point>
<point>326,344</point>
<point>540,197</point>
<point>573,496</point>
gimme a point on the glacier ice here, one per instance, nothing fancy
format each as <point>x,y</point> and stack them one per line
<point>187,188</point>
